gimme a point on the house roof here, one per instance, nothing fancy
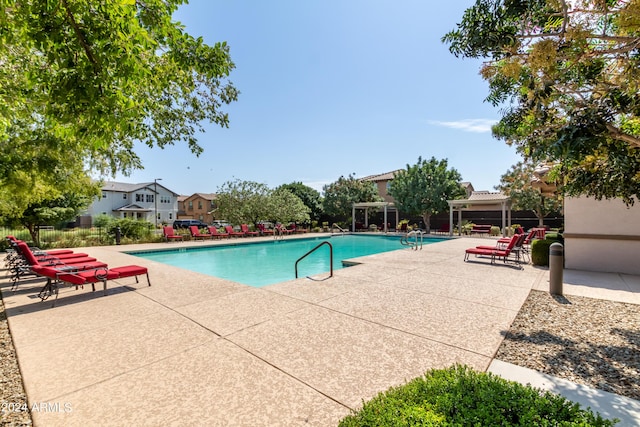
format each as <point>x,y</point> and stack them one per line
<point>487,195</point>
<point>205,196</point>
<point>387,176</point>
<point>132,208</point>
<point>125,187</point>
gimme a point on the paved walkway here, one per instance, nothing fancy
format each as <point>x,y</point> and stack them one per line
<point>192,349</point>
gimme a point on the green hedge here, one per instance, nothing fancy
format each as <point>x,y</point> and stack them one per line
<point>460,396</point>
<point>540,248</point>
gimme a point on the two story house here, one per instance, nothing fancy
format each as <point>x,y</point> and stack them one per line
<point>150,201</point>
<point>198,206</point>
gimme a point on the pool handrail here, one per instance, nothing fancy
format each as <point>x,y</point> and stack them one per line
<point>313,250</point>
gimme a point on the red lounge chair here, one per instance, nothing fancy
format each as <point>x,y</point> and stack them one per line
<point>195,233</point>
<point>30,264</point>
<point>215,233</point>
<point>264,230</point>
<point>497,252</point>
<point>282,230</point>
<point>233,233</point>
<point>294,229</point>
<point>80,263</point>
<point>37,251</point>
<point>169,234</point>
<point>80,278</point>
<point>245,229</point>
<point>517,249</point>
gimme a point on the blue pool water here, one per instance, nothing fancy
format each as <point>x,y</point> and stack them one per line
<point>265,263</point>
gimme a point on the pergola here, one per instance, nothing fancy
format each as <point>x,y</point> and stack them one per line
<point>377,206</point>
<point>482,199</point>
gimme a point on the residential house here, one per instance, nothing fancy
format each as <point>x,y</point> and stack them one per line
<point>149,201</point>
<point>383,182</point>
<point>198,206</point>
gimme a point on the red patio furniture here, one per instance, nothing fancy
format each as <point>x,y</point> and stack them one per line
<point>169,234</point>
<point>196,234</point>
<point>497,252</point>
<point>215,233</point>
<point>245,229</point>
<point>232,232</point>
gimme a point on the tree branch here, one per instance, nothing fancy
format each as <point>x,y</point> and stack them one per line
<point>621,136</point>
<point>81,38</point>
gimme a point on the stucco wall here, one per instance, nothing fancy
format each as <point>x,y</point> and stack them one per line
<point>602,235</point>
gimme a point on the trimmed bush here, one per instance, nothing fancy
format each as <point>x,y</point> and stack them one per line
<point>540,248</point>
<point>540,252</point>
<point>462,396</point>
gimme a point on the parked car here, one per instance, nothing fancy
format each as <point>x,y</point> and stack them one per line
<point>219,223</point>
<point>186,223</point>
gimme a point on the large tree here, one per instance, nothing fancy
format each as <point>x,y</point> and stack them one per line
<point>243,201</point>
<point>250,202</point>
<point>51,211</point>
<point>517,184</point>
<point>339,196</point>
<point>424,188</point>
<point>81,81</point>
<point>567,74</point>
<point>310,197</point>
<point>284,207</point>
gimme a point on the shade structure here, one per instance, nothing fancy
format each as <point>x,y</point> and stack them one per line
<point>370,205</point>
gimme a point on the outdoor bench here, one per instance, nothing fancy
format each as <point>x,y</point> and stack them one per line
<point>481,229</point>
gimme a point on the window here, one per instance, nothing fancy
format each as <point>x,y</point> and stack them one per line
<point>190,205</point>
<point>139,197</point>
<point>200,205</point>
<point>104,194</point>
<point>124,196</point>
<point>150,198</point>
<point>170,215</point>
<point>388,186</point>
<point>165,199</point>
<point>158,215</point>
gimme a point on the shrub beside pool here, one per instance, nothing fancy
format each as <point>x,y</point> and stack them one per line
<point>460,396</point>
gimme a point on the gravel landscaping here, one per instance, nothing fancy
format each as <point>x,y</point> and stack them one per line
<point>584,340</point>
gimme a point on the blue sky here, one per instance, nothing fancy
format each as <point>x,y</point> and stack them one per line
<point>334,87</point>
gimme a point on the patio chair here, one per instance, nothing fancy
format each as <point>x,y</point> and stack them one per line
<point>55,277</point>
<point>517,250</point>
<point>232,233</point>
<point>169,234</point>
<point>215,233</point>
<point>264,230</point>
<point>30,263</point>
<point>496,252</point>
<point>282,230</point>
<point>196,234</point>
<point>245,229</point>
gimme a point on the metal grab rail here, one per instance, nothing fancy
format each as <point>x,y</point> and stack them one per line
<point>342,230</point>
<point>313,250</point>
<point>404,240</point>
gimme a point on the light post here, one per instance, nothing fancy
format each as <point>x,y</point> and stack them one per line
<point>155,199</point>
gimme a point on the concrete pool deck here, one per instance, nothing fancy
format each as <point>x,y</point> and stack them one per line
<point>194,349</point>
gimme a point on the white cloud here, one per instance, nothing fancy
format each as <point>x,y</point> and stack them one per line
<point>468,125</point>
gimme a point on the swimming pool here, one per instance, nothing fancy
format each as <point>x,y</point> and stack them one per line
<point>267,262</point>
